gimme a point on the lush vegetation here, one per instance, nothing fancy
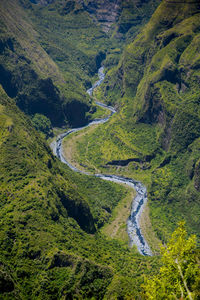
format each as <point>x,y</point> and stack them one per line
<point>155,89</point>
<point>42,124</point>
<point>50,245</point>
<point>47,59</point>
<point>180,273</point>
<point>56,228</point>
<point>50,53</point>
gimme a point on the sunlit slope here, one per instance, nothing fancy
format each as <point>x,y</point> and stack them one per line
<point>156,90</point>
<point>48,219</point>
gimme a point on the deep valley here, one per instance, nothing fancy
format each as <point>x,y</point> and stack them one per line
<point>99,149</point>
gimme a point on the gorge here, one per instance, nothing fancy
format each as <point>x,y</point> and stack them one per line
<point>133,222</point>
<point>76,223</point>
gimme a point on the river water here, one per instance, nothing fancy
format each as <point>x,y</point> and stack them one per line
<point>133,223</point>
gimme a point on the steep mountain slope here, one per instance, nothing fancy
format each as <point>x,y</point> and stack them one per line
<point>47,220</point>
<point>50,50</point>
<point>167,96</point>
<point>50,243</point>
<point>43,67</point>
<point>109,14</point>
<point>156,87</point>
<point>105,12</point>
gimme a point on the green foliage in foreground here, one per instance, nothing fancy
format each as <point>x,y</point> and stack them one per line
<point>179,277</point>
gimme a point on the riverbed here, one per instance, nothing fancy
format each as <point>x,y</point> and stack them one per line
<point>133,221</point>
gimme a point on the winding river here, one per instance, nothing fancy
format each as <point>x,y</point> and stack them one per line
<point>133,223</point>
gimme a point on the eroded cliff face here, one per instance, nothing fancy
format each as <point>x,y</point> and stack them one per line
<point>159,72</point>
<point>117,14</point>
<point>120,15</point>
<point>105,12</point>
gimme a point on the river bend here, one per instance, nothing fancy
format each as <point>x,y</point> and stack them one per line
<point>133,223</point>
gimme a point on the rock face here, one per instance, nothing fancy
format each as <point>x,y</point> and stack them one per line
<point>34,94</point>
<point>108,13</point>
<point>119,13</point>
<point>105,12</point>
<point>158,62</point>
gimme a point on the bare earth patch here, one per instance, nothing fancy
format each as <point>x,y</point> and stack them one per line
<point>116,228</point>
<point>147,230</point>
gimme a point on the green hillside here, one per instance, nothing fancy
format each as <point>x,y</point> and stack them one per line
<point>46,68</point>
<point>63,234</point>
<point>155,88</point>
<point>51,50</point>
<point>44,205</point>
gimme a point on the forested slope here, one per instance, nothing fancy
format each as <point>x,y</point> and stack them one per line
<point>50,51</point>
<point>48,220</point>
<point>45,66</point>
<point>51,246</point>
<point>156,89</point>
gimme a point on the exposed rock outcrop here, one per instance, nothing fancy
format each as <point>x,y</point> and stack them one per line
<point>105,12</point>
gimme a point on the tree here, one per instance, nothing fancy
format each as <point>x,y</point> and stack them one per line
<point>43,124</point>
<point>179,277</point>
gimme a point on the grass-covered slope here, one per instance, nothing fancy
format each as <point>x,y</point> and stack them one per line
<point>156,90</point>
<point>47,59</point>
<point>116,17</point>
<point>27,72</point>
<point>48,249</point>
<point>50,51</point>
<point>71,39</point>
<point>134,14</point>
